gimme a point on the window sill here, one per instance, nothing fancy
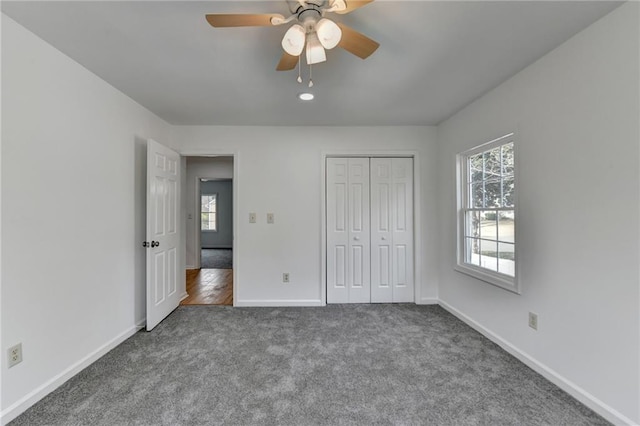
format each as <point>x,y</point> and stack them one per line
<point>499,280</point>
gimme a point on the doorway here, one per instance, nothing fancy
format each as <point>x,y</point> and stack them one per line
<point>209,237</point>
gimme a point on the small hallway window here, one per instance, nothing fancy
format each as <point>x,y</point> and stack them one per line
<point>208,212</point>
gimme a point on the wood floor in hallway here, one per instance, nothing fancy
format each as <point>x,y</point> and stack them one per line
<point>209,287</point>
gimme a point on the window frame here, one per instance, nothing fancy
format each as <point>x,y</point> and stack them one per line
<point>215,194</point>
<point>498,279</point>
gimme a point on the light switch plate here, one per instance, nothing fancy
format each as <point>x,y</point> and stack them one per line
<point>252,218</point>
<point>270,218</point>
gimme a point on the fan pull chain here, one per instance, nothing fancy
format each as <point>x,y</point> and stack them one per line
<point>299,70</point>
<point>310,76</point>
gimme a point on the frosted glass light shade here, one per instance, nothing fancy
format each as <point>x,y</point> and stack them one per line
<point>329,33</point>
<point>293,40</point>
<point>315,51</point>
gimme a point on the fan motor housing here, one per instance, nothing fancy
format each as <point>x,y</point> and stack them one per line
<point>296,7</point>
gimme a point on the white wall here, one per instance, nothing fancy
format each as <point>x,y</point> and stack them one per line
<point>576,115</point>
<point>200,167</point>
<point>73,176</point>
<point>279,170</point>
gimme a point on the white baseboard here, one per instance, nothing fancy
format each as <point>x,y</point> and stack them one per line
<point>277,303</point>
<point>428,301</point>
<point>184,296</point>
<point>36,395</point>
<point>187,267</point>
<point>554,377</point>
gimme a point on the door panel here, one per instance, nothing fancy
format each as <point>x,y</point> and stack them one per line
<point>337,232</point>
<point>163,232</point>
<point>359,233</point>
<point>381,236</point>
<point>402,226</point>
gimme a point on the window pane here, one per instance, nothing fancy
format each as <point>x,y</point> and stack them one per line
<point>492,194</point>
<point>508,187</point>
<point>506,261</point>
<point>489,255</point>
<point>475,168</point>
<point>507,159</point>
<point>477,195</point>
<point>472,226</point>
<point>488,225</point>
<point>506,229</point>
<point>492,168</point>
<point>208,221</point>
<point>472,251</point>
<point>209,203</point>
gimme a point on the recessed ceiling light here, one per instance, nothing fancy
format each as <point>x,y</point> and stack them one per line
<point>306,96</point>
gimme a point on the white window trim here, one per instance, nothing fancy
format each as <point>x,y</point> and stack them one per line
<point>209,230</point>
<point>500,280</point>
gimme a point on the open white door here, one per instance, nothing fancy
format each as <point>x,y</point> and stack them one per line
<point>163,232</point>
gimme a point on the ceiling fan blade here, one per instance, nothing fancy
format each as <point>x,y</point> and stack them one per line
<point>287,62</point>
<point>356,43</point>
<point>353,5</point>
<point>220,20</point>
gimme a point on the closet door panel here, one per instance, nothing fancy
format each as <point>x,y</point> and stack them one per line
<point>359,262</point>
<point>381,235</point>
<point>402,230</point>
<point>337,231</point>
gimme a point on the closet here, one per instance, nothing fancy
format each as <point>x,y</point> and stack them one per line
<point>369,230</point>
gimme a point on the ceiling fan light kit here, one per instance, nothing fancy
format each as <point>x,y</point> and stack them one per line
<point>312,30</point>
<point>328,33</point>
<point>315,51</point>
<point>293,40</point>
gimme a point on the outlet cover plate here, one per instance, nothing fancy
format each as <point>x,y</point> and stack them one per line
<point>14,353</point>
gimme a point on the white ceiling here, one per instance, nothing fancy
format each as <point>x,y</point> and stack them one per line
<point>434,58</point>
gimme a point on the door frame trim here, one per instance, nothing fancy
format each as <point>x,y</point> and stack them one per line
<point>417,218</point>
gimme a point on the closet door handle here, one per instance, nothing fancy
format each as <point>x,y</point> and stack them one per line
<point>356,238</point>
<point>384,238</point>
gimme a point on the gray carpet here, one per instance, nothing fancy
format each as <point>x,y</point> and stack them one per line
<point>337,365</point>
<point>216,259</point>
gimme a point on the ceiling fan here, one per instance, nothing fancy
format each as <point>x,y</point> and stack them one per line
<point>311,30</point>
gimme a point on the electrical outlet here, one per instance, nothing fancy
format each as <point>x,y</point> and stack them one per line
<point>533,320</point>
<point>270,218</point>
<point>252,218</point>
<point>285,277</point>
<point>15,355</point>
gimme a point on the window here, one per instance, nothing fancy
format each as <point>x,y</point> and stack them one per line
<point>486,243</point>
<point>209,212</point>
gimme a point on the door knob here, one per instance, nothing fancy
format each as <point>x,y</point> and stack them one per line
<point>155,243</point>
<point>384,238</point>
<point>145,244</point>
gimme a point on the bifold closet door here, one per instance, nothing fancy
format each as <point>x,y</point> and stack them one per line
<point>392,230</point>
<point>348,231</point>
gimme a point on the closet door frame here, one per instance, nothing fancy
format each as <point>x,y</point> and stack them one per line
<point>417,225</point>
